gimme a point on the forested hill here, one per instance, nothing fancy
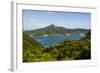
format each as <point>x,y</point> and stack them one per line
<point>30,43</point>
<point>33,50</point>
<point>88,35</point>
<point>66,50</point>
<point>53,30</point>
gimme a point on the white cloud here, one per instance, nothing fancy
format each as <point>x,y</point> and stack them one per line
<point>31,19</point>
<point>50,12</point>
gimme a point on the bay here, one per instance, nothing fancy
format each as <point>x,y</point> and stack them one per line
<point>54,39</point>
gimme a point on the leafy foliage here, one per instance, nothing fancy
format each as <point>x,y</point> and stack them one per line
<point>70,50</point>
<point>33,51</point>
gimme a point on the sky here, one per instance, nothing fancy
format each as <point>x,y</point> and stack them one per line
<point>38,19</point>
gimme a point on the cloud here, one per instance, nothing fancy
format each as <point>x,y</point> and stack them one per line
<point>31,19</point>
<point>50,12</point>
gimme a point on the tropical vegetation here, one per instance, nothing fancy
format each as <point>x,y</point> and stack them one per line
<point>33,51</point>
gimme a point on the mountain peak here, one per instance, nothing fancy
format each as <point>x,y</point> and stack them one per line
<point>54,29</point>
<point>52,26</point>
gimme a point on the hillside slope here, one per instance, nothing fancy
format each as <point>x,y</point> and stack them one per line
<point>31,48</point>
<point>30,43</point>
<point>55,30</point>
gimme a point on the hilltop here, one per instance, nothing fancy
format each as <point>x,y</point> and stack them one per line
<point>55,30</point>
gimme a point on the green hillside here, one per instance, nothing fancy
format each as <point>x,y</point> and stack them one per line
<point>30,48</point>
<point>30,43</point>
<point>70,50</point>
<point>53,30</point>
<point>88,36</point>
<point>33,50</point>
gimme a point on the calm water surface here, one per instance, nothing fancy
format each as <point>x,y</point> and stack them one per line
<point>51,40</point>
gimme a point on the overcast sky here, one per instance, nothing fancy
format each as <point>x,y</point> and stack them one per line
<point>38,19</point>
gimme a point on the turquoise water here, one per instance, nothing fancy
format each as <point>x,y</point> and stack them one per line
<point>51,40</point>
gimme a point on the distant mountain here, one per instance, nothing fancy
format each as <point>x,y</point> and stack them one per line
<point>55,30</point>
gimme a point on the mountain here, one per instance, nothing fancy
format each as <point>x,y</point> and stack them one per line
<point>55,30</point>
